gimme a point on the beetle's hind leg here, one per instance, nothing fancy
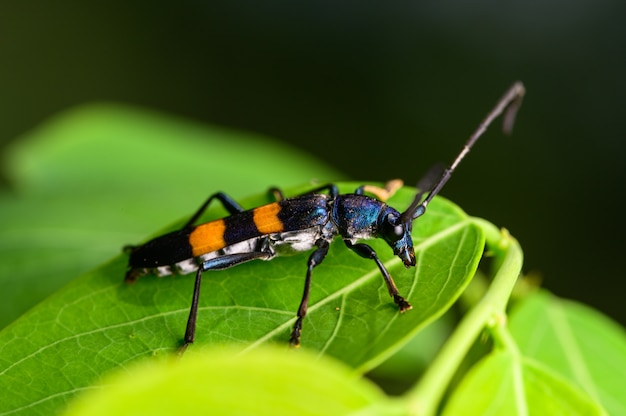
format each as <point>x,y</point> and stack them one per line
<point>218,263</point>
<point>316,258</point>
<point>230,204</point>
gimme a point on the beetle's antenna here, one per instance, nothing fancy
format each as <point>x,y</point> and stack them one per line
<point>508,104</point>
<point>423,186</point>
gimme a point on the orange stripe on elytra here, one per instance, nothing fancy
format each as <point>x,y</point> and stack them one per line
<point>208,237</point>
<point>266,219</point>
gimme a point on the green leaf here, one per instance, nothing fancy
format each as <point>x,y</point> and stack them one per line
<point>122,149</point>
<point>226,383</point>
<point>98,323</point>
<point>503,384</point>
<point>402,370</point>
<point>576,341</point>
<point>98,176</point>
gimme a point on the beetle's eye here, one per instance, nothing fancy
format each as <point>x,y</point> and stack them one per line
<point>393,230</point>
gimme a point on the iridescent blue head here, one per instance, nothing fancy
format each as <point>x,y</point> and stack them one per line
<point>395,228</point>
<point>397,235</point>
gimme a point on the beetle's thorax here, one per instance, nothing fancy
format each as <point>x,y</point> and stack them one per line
<point>357,216</point>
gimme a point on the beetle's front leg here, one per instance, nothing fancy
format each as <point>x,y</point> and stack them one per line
<point>367,252</point>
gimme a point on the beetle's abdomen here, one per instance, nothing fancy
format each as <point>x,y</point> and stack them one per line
<point>162,251</point>
<point>294,214</point>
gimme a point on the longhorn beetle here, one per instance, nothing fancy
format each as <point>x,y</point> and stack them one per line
<point>300,223</point>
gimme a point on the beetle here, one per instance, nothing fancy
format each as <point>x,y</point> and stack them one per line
<point>301,223</point>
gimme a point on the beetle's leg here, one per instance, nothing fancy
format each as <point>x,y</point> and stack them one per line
<point>218,263</point>
<point>190,332</point>
<point>230,204</point>
<point>382,194</point>
<point>332,189</point>
<point>277,193</point>
<point>367,252</point>
<point>316,258</point>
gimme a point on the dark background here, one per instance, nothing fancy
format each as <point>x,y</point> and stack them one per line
<point>378,90</point>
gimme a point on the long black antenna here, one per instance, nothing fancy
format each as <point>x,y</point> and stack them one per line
<point>508,104</point>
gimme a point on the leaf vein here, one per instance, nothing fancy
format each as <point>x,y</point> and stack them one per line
<point>571,351</point>
<point>124,324</point>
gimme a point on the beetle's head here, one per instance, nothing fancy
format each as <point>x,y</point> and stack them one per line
<point>395,228</point>
<point>397,234</point>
